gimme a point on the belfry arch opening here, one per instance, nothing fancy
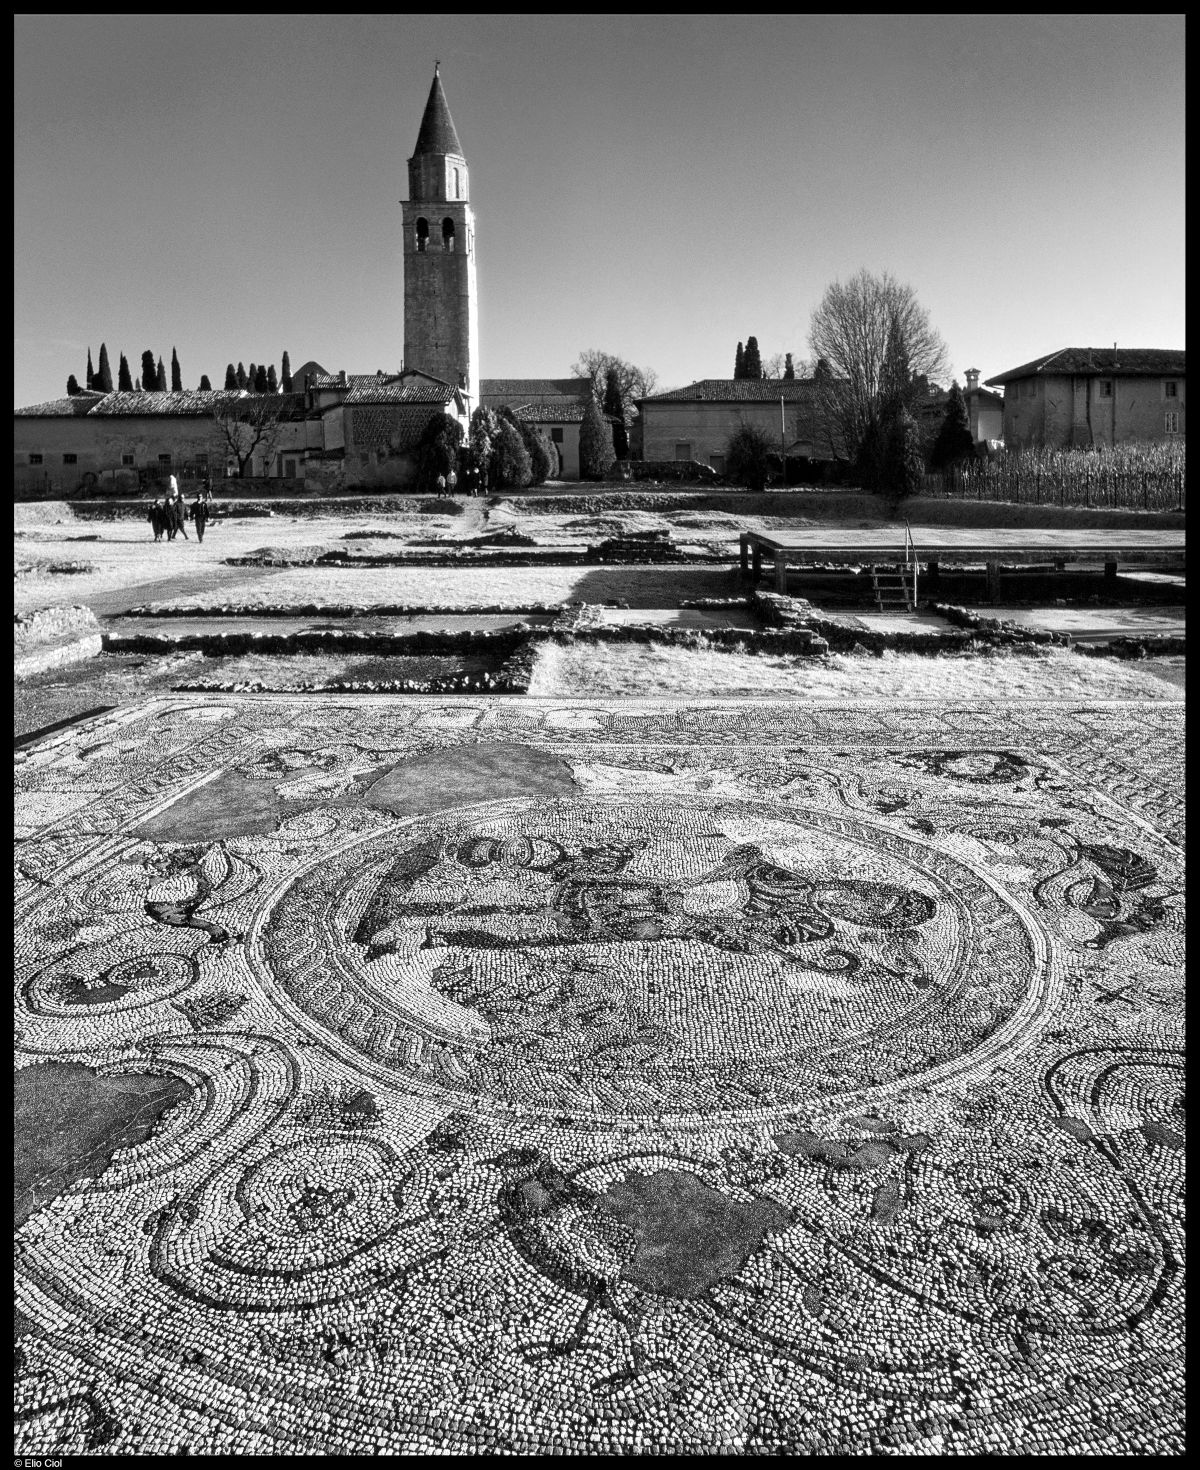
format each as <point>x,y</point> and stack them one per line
<point>447,234</point>
<point>422,235</point>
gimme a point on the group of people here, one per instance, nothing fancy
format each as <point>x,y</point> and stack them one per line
<point>168,515</point>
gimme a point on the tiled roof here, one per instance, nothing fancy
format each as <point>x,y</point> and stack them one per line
<point>391,426</point>
<point>332,380</point>
<point>438,133</point>
<point>67,408</point>
<point>379,390</point>
<point>566,412</point>
<point>1126,362</point>
<point>736,390</point>
<point>177,405</point>
<point>513,391</point>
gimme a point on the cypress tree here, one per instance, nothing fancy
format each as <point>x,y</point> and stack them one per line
<point>176,375</point>
<point>240,376</point>
<point>895,376</point>
<point>514,466</point>
<point>104,372</point>
<point>272,380</point>
<point>953,440</point>
<point>124,381</point>
<point>614,409</point>
<point>73,386</point>
<point>260,379</point>
<point>251,375</point>
<point>739,362</point>
<point>752,360</point>
<point>90,379</point>
<point>231,381</point>
<point>137,385</point>
<point>789,371</point>
<point>160,378</point>
<point>205,385</point>
<point>149,376</point>
<point>904,459</point>
<point>285,372</point>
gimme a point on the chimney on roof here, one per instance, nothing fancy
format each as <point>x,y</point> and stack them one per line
<point>972,377</point>
<point>341,377</point>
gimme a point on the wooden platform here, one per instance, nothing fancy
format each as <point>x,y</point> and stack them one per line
<point>954,546</point>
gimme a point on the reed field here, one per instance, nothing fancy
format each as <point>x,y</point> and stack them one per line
<point>1129,477</point>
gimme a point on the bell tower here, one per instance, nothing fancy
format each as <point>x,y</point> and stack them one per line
<point>441,299</point>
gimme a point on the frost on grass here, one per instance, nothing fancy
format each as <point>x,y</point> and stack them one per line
<point>615,669</point>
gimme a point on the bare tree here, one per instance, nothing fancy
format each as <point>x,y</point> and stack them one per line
<point>247,422</point>
<point>773,366</point>
<point>634,382</point>
<point>850,330</point>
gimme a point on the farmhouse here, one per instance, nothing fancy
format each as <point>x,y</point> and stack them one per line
<point>697,422</point>
<point>1080,397</point>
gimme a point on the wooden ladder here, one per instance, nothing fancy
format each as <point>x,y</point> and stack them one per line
<point>895,587</point>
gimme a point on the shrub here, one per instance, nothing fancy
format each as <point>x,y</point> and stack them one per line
<point>748,457</point>
<point>904,460</point>
<point>512,461</point>
<point>438,450</point>
<point>596,456</point>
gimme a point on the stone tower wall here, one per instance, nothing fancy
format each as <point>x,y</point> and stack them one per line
<point>441,305</point>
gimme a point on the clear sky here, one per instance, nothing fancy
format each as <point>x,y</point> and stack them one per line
<point>655,186</point>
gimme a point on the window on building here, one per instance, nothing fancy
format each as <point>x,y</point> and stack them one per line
<point>556,436</point>
<point>70,459</point>
<point>457,186</point>
<point>422,235</point>
<point>1171,423</point>
<point>127,459</point>
<point>1170,389</point>
<point>683,450</point>
<point>1104,388</point>
<point>164,459</point>
<point>447,234</point>
<point>717,461</point>
<point>35,459</point>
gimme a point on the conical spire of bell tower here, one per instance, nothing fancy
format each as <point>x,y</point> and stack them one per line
<point>438,133</point>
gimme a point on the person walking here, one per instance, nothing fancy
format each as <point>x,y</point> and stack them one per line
<point>156,518</point>
<point>200,514</point>
<point>451,482</point>
<point>441,484</point>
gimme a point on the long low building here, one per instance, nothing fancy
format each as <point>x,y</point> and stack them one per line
<point>697,422</point>
<point>342,430</point>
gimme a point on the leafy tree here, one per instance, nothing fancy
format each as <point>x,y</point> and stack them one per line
<point>438,450</point>
<point>953,440</point>
<point>513,466</point>
<point>595,444</point>
<point>285,372</point>
<point>871,454</point>
<point>481,441</point>
<point>635,382</point>
<point>160,378</point>
<point>753,359</point>
<point>124,381</point>
<point>73,387</point>
<point>205,385</point>
<point>789,372</point>
<point>149,372</point>
<point>539,455</point>
<point>240,376</point>
<point>748,456</point>
<point>104,372</point>
<point>851,328</point>
<point>614,408</point>
<point>176,375</point>
<point>272,380</point>
<point>739,362</point>
<point>231,381</point>
<point>904,464</point>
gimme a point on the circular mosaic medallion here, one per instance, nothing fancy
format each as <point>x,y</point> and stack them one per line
<point>621,958</point>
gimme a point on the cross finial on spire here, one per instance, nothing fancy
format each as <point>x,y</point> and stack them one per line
<point>436,67</point>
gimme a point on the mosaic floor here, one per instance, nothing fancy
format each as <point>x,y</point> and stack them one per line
<point>580,1076</point>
